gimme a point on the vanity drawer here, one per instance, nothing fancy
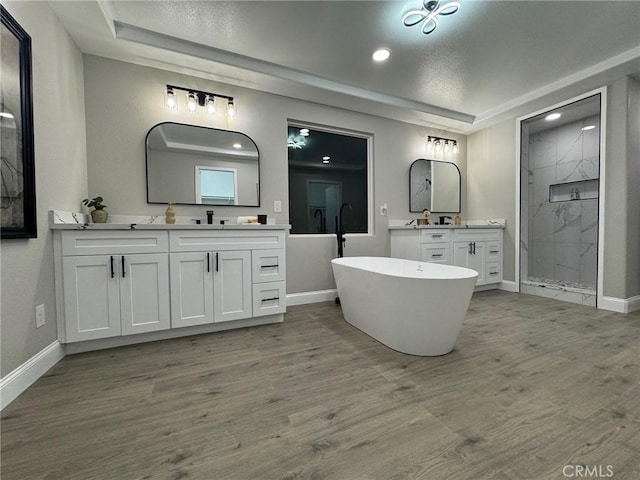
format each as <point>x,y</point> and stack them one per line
<point>477,234</point>
<point>269,298</point>
<point>494,272</point>
<point>268,265</point>
<point>124,242</point>
<point>436,253</point>
<point>494,251</point>
<point>219,240</point>
<point>434,235</point>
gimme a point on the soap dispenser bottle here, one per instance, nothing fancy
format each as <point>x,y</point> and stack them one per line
<point>170,215</point>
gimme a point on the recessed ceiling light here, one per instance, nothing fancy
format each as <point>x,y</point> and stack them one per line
<point>326,157</point>
<point>553,116</point>
<point>588,127</point>
<point>381,54</point>
<point>237,145</point>
<point>325,161</point>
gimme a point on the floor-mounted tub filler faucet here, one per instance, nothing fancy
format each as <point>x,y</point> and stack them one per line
<point>340,229</point>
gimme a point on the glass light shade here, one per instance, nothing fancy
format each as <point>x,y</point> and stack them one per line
<point>211,107</point>
<point>454,150</point>
<point>192,102</point>
<point>170,99</point>
<point>232,111</point>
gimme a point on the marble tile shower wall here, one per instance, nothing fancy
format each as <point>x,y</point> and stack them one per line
<point>563,235</point>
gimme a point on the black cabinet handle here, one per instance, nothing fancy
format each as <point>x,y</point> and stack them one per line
<point>123,272</point>
<point>470,248</point>
<point>493,273</point>
<point>208,263</point>
<point>474,248</point>
<point>437,235</point>
<point>269,266</point>
<point>494,251</point>
<point>270,299</point>
<point>217,262</point>
<point>436,255</point>
<point>113,273</point>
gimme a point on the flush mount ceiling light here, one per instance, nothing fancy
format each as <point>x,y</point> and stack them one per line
<point>588,127</point>
<point>198,98</point>
<point>381,54</point>
<point>325,159</point>
<point>428,15</point>
<point>552,116</point>
<point>439,144</point>
<point>304,132</point>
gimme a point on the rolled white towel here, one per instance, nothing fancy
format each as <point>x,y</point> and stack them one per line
<point>247,219</point>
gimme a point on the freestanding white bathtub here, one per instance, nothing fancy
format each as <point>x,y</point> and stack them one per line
<point>412,307</point>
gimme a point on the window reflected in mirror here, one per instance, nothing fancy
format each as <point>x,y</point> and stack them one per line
<point>327,169</point>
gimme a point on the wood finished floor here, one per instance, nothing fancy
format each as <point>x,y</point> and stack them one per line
<point>533,385</point>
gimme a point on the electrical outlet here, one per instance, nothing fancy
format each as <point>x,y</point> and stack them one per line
<point>277,206</point>
<point>383,209</point>
<point>39,316</point>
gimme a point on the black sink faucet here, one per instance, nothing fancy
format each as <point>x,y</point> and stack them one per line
<point>340,229</point>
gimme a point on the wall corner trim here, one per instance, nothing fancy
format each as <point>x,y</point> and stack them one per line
<point>317,296</point>
<point>620,305</point>
<point>17,381</point>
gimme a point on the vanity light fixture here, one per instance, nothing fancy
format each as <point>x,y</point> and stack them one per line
<point>552,116</point>
<point>439,144</point>
<point>198,98</point>
<point>304,132</point>
<point>427,16</point>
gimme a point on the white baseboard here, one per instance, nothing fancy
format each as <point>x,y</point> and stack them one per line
<point>304,298</point>
<point>22,377</point>
<point>509,286</point>
<point>620,305</point>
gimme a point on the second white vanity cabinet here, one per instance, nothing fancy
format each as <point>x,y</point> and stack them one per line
<point>114,285</point>
<point>477,248</point>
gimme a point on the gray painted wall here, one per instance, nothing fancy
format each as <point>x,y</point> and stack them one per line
<point>123,101</point>
<point>61,181</point>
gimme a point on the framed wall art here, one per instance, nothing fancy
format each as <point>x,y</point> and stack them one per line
<point>17,171</point>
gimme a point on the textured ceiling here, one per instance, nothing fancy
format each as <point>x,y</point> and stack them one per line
<point>483,61</point>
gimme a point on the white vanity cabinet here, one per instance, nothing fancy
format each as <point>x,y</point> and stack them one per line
<point>114,285</point>
<point>477,248</point>
<point>124,284</point>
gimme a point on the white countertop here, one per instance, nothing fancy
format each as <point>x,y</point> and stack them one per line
<point>438,227</point>
<point>60,220</point>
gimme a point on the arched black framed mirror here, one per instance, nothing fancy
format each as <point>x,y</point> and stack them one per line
<point>192,165</point>
<point>435,185</point>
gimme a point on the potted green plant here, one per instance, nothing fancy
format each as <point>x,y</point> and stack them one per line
<point>98,214</point>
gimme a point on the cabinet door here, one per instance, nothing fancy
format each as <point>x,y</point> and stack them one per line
<point>144,292</point>
<point>471,255</point>
<point>232,285</point>
<point>191,288</point>
<point>91,297</point>
<point>478,261</point>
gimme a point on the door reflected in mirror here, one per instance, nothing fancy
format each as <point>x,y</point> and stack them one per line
<point>434,185</point>
<point>192,165</point>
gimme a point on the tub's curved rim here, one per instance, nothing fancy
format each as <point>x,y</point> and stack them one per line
<point>424,268</point>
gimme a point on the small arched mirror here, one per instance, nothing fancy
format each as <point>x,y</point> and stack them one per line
<point>194,165</point>
<point>435,185</point>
